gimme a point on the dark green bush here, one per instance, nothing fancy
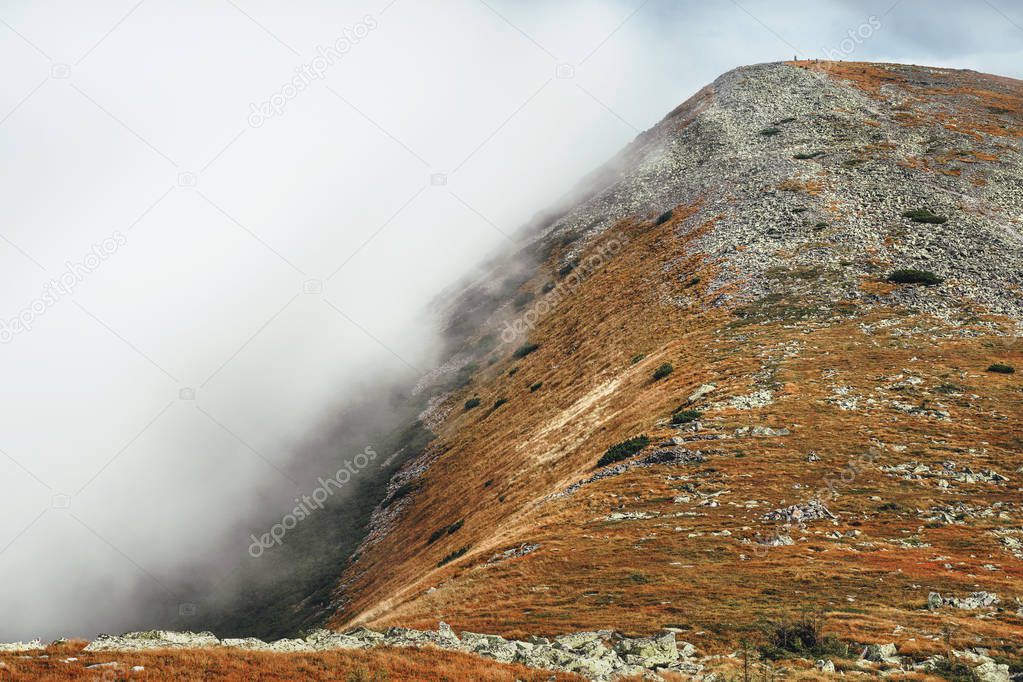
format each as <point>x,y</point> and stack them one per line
<point>770,132</point>
<point>637,357</point>
<point>524,350</point>
<point>923,215</point>
<point>513,371</point>
<point>803,156</point>
<point>471,403</point>
<point>547,288</point>
<point>456,526</point>
<point>437,535</point>
<point>452,556</point>
<point>663,371</point>
<point>913,276</point>
<point>787,119</point>
<point>535,387</point>
<point>685,416</point>
<point>663,218</point>
<point>623,450</point>
<point>802,638</point>
<point>999,368</point>
<point>499,402</point>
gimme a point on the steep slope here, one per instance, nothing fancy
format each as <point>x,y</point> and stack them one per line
<point>829,257</point>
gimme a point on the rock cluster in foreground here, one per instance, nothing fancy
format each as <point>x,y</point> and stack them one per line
<point>600,655</point>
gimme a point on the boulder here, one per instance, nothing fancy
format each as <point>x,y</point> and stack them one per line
<point>649,652</point>
<point>880,653</point>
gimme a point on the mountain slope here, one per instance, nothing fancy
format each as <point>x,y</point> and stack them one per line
<point>829,257</point>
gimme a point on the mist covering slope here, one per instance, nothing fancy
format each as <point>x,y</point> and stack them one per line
<point>788,294</point>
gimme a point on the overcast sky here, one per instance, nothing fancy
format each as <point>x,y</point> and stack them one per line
<point>238,251</point>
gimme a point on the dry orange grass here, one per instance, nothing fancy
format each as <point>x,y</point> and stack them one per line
<point>378,665</point>
<point>678,568</point>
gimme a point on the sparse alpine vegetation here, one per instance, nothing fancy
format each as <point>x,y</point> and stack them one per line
<point>923,215</point>
<point>623,450</point>
<point>471,403</point>
<point>524,350</point>
<point>663,371</point>
<point>685,416</point>
<point>913,276</point>
<point>999,368</point>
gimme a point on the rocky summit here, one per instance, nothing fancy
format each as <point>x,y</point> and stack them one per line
<point>746,403</point>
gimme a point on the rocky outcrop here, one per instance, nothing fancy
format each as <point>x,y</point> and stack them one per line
<point>599,655</point>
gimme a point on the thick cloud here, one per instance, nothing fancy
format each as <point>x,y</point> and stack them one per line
<point>221,218</point>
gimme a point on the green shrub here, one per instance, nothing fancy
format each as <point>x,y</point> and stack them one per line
<point>685,416</point>
<point>999,368</point>
<point>637,357</point>
<point>912,276</point>
<point>524,350</point>
<point>663,218</point>
<point>820,226</point>
<point>770,132</point>
<point>513,371</point>
<point>499,402</point>
<point>787,119</point>
<point>623,450</point>
<point>802,638</point>
<point>452,556</point>
<point>456,526</point>
<point>663,371</point>
<point>471,403</point>
<point>923,215</point>
<point>803,156</point>
<point>437,535</point>
<point>535,387</point>
<point>547,288</point>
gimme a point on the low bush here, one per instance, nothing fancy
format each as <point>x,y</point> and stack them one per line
<point>637,357</point>
<point>802,638</point>
<point>663,371</point>
<point>663,218</point>
<point>803,156</point>
<point>452,556</point>
<point>547,288</point>
<point>524,350</point>
<point>923,215</point>
<point>685,416</point>
<point>623,450</point>
<point>913,276</point>
<point>471,403</point>
<point>770,132</point>
<point>999,368</point>
<point>535,387</point>
<point>499,402</point>
<point>456,526</point>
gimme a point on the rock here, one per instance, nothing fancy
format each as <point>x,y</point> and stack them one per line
<point>248,643</point>
<point>649,652</point>
<point>971,602</point>
<point>153,639</point>
<point>825,666</point>
<point>446,635</point>
<point>983,666</point>
<point>12,647</point>
<point>814,510</point>
<point>880,653</point>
